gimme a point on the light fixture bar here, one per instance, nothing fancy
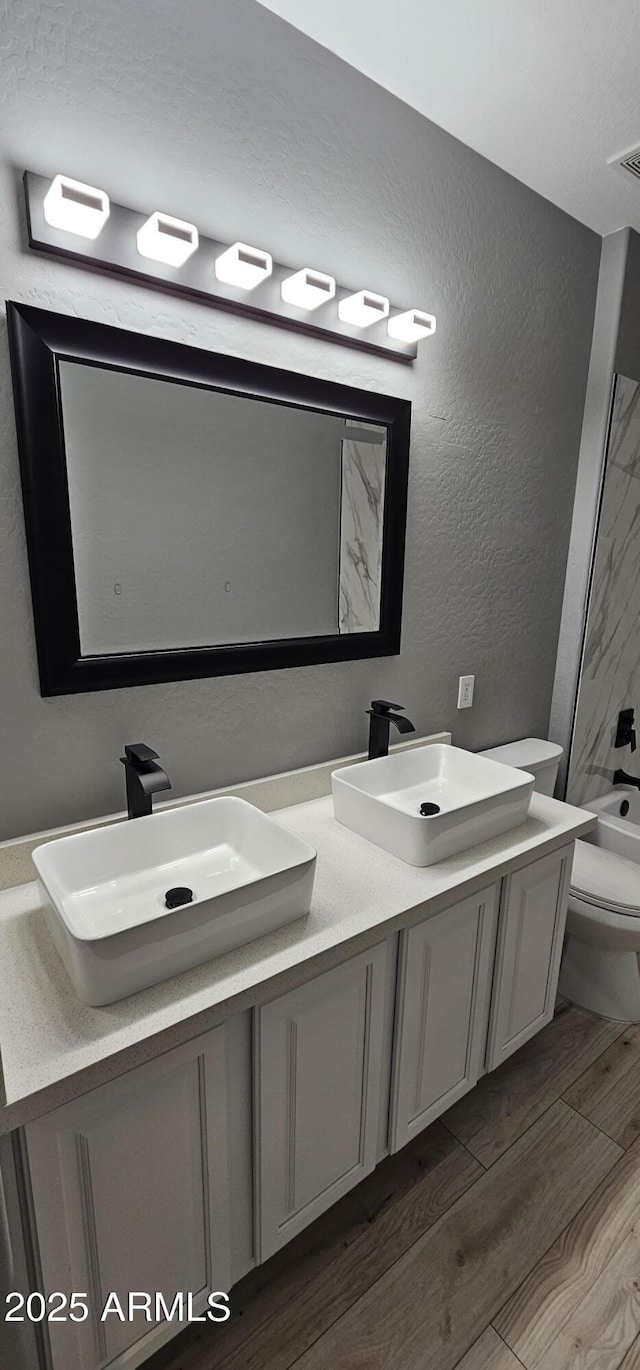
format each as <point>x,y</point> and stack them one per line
<point>213,272</point>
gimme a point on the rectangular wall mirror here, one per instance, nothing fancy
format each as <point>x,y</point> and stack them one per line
<point>191,514</point>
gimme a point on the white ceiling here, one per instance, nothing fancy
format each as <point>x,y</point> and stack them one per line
<point>547,89</point>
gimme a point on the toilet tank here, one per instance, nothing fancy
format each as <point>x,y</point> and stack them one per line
<point>531,754</point>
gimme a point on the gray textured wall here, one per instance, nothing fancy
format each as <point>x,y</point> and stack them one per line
<point>224,115</point>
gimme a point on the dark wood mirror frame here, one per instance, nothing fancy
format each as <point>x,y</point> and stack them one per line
<point>38,341</point>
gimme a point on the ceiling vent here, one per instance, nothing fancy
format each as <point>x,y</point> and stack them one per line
<point>628,163</point>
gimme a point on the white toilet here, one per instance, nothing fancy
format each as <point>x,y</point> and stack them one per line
<point>600,967</point>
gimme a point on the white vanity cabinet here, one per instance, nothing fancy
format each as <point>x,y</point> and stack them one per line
<point>130,1193</point>
<point>533,912</point>
<point>318,1063</point>
<point>173,1178</point>
<point>444,986</point>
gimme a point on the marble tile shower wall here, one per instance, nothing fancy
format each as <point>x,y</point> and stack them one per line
<point>610,678</point>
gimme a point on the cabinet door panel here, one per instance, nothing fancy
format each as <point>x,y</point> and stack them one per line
<point>130,1194</point>
<point>318,1061</point>
<point>532,919</point>
<point>444,983</point>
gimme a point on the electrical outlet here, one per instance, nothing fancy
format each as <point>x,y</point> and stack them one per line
<point>465,691</point>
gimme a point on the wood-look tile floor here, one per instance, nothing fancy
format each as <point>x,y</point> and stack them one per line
<point>506,1236</point>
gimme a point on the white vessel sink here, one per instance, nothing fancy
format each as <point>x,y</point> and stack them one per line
<point>104,892</point>
<point>476,799</point>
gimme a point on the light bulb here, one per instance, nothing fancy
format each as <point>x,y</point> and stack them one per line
<point>244,266</point>
<point>411,326</point>
<point>308,289</point>
<point>76,207</point>
<point>167,240</point>
<point>363,309</point>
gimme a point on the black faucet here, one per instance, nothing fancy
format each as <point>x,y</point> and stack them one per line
<point>381,720</point>
<point>621,778</point>
<point>625,732</point>
<point>144,778</point>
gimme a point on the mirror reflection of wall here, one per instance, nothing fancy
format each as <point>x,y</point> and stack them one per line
<point>201,517</point>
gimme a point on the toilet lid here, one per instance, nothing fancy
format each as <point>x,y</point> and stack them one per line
<point>530,753</point>
<point>603,877</point>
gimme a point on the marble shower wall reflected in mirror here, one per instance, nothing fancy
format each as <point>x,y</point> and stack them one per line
<point>364,457</point>
<point>610,672</point>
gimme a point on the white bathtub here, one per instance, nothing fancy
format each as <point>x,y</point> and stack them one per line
<point>618,821</point>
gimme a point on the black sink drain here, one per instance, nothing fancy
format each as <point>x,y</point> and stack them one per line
<point>428,809</point>
<point>180,894</point>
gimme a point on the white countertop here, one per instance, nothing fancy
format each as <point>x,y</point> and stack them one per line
<point>53,1047</point>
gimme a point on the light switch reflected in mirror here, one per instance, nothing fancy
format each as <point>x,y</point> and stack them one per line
<point>203,518</point>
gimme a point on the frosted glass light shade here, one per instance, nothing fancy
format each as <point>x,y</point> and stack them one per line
<point>244,266</point>
<point>167,240</point>
<point>363,309</point>
<point>411,326</point>
<point>308,289</point>
<point>76,207</point>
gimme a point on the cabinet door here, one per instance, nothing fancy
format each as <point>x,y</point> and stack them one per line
<point>533,913</point>
<point>444,986</point>
<point>129,1190</point>
<point>318,1053</point>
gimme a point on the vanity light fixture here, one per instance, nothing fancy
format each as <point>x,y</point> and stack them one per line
<point>363,309</point>
<point>244,266</point>
<point>411,326</point>
<point>168,240</point>
<point>76,207</point>
<point>218,274</point>
<point>308,289</point>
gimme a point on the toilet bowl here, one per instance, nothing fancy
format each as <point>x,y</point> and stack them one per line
<point>600,968</point>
